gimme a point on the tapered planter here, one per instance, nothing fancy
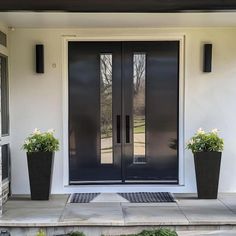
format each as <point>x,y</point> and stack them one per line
<point>40,166</point>
<point>207,167</point>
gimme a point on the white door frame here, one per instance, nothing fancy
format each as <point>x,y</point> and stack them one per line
<point>138,37</point>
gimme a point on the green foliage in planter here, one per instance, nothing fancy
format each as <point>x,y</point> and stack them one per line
<point>41,142</point>
<point>76,234</point>
<point>206,142</point>
<point>158,232</point>
<point>41,233</point>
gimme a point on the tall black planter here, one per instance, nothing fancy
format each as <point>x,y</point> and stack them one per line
<point>207,167</point>
<point>40,166</point>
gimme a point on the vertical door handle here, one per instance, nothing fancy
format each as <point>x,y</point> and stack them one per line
<point>127,128</point>
<point>118,127</point>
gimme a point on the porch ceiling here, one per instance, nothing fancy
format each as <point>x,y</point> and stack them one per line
<point>119,5</point>
<point>102,20</point>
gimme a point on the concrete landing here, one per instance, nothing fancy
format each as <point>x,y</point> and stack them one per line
<point>110,214</point>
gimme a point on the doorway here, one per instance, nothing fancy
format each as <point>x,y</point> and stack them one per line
<point>123,112</point>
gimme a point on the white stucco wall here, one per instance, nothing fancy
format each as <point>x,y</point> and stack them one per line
<point>36,100</point>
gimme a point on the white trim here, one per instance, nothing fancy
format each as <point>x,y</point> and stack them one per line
<point>181,111</point>
<point>65,114</point>
<point>154,37</point>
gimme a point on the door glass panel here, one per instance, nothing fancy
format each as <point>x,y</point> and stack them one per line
<point>139,74</point>
<point>106,108</point>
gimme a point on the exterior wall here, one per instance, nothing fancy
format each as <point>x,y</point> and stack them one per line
<point>37,100</point>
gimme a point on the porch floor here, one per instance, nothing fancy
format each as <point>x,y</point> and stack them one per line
<point>187,215</point>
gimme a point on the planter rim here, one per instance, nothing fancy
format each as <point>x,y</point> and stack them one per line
<point>31,154</point>
<point>207,152</point>
<point>37,152</point>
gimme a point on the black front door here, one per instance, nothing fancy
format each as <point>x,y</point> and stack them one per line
<point>123,111</point>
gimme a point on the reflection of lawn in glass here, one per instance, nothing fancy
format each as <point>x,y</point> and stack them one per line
<point>106,151</point>
<point>140,142</point>
<point>104,136</point>
<point>139,139</point>
<point>139,125</point>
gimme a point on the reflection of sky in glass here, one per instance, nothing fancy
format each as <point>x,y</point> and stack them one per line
<point>106,108</point>
<point>139,67</point>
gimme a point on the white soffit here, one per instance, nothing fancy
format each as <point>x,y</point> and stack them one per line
<point>102,20</point>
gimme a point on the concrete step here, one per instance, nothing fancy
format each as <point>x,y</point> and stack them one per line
<point>208,233</point>
<point>116,231</point>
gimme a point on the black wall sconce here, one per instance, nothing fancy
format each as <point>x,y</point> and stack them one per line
<point>39,58</point>
<point>207,58</point>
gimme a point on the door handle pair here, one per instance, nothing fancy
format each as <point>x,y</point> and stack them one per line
<point>127,129</point>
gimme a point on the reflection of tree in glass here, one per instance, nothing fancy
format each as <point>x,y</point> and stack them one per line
<point>173,144</point>
<point>106,95</point>
<point>139,72</point>
<point>139,92</point>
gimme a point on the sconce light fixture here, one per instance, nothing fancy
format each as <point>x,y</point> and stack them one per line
<point>39,58</point>
<point>207,58</point>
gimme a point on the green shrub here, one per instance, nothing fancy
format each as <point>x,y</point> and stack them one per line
<point>158,232</point>
<point>77,233</point>
<point>41,142</point>
<point>206,142</point>
<point>41,233</point>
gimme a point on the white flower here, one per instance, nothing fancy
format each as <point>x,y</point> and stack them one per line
<point>215,131</point>
<point>27,142</point>
<point>36,131</point>
<point>51,131</point>
<point>200,131</point>
<point>191,142</point>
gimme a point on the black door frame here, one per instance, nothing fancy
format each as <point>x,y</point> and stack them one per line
<point>179,38</point>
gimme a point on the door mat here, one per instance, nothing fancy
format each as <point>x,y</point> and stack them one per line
<point>82,197</point>
<point>147,197</point>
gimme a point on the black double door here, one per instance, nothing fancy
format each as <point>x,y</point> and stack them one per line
<point>123,112</point>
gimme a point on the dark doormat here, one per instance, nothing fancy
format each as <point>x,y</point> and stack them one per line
<point>82,197</point>
<point>147,197</point>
